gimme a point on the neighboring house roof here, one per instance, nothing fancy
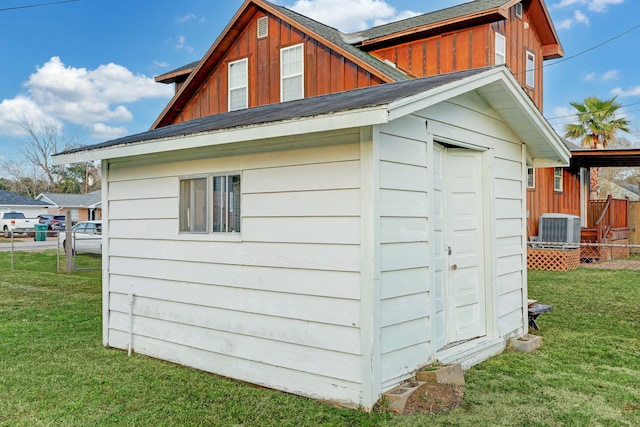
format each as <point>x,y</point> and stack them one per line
<point>464,15</point>
<point>361,107</point>
<point>89,200</point>
<point>12,199</point>
<point>174,75</point>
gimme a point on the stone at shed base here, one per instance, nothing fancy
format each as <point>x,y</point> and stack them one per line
<point>526,343</point>
<point>399,396</point>
<point>449,374</point>
<point>435,390</point>
<point>434,398</point>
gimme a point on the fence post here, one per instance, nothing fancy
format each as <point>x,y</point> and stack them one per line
<point>68,248</point>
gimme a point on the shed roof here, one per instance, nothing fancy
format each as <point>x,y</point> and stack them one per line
<point>349,109</point>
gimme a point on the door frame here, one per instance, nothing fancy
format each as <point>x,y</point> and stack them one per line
<point>487,159</point>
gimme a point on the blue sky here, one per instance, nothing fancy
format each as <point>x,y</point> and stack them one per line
<point>88,65</point>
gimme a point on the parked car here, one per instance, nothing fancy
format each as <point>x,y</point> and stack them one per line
<point>86,237</point>
<point>50,219</point>
<point>14,222</point>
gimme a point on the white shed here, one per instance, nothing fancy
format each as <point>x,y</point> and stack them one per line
<point>331,246</point>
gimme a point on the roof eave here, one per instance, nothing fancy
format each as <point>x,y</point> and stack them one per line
<point>367,116</point>
<point>485,16</point>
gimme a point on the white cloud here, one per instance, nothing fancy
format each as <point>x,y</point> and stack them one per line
<point>353,15</point>
<point>604,77</point>
<point>90,98</point>
<point>181,44</point>
<point>14,112</point>
<point>186,18</point>
<point>634,91</point>
<point>578,18</point>
<point>598,6</point>
<point>105,132</point>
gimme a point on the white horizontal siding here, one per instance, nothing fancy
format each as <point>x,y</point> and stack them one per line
<point>281,296</point>
<point>273,376</point>
<point>331,311</point>
<point>404,249</point>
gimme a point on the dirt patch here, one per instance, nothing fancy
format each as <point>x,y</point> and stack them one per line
<point>434,398</point>
<point>614,265</point>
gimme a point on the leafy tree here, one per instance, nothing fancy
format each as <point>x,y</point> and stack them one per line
<point>597,122</point>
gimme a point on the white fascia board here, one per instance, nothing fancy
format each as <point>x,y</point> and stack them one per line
<point>512,90</point>
<point>442,93</point>
<point>299,126</point>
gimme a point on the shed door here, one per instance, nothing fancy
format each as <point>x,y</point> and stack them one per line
<point>460,312</point>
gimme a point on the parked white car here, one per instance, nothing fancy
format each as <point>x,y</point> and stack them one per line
<point>86,237</point>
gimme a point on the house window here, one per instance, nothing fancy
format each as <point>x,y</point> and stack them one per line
<point>531,178</point>
<point>501,49</point>
<point>291,73</point>
<point>210,204</point>
<point>557,179</point>
<point>238,85</point>
<point>263,27</point>
<point>531,69</point>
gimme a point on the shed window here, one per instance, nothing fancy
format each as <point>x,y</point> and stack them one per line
<point>291,73</point>
<point>531,69</point>
<point>238,85</point>
<point>210,204</point>
<point>531,178</point>
<point>557,179</point>
<point>501,49</point>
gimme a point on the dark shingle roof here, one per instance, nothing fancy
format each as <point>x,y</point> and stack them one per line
<point>12,199</point>
<point>443,15</point>
<point>309,107</point>
<point>340,39</point>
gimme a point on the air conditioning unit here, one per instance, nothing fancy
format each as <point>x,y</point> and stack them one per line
<point>559,228</point>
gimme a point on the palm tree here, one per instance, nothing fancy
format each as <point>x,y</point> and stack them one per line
<point>597,122</point>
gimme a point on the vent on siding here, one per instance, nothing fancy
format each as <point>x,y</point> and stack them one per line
<point>263,27</point>
<point>519,10</point>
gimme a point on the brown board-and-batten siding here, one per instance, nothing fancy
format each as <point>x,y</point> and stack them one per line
<point>325,70</point>
<point>469,48</point>
<point>277,304</point>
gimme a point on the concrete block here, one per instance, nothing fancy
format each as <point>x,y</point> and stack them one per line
<point>526,343</point>
<point>449,374</point>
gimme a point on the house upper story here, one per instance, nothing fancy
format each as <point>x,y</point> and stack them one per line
<point>268,54</point>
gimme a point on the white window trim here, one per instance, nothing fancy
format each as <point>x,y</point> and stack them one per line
<point>558,188</point>
<point>300,74</point>
<point>533,175</point>
<point>245,85</point>
<point>502,54</point>
<point>209,205</point>
<point>530,71</point>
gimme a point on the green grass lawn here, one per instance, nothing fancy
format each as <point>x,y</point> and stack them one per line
<point>55,371</point>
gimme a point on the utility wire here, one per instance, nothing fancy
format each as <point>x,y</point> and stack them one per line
<point>5,9</point>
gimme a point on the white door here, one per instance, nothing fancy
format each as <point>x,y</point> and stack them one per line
<point>459,288</point>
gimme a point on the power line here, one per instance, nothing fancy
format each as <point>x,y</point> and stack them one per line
<point>560,61</point>
<point>4,9</point>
